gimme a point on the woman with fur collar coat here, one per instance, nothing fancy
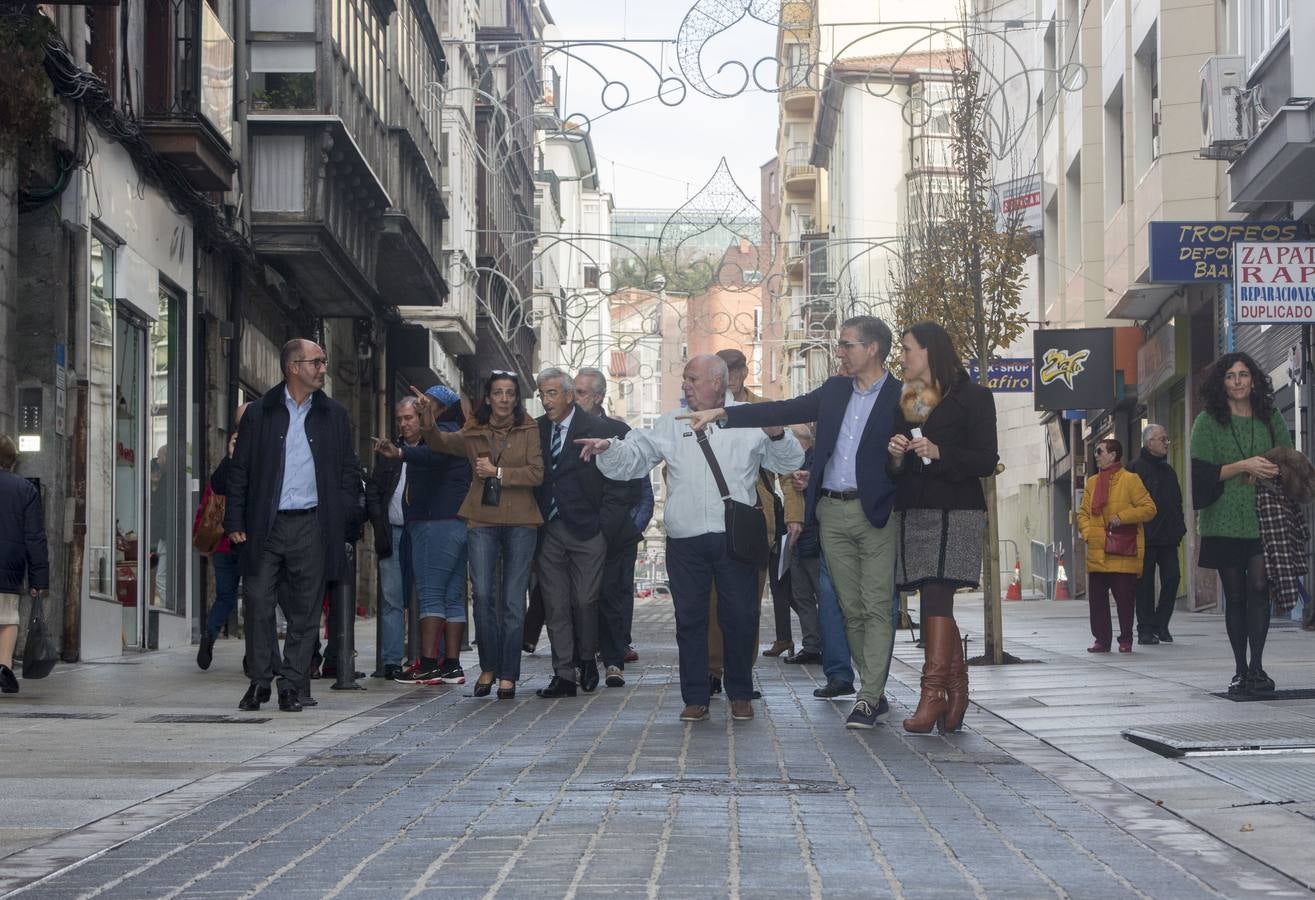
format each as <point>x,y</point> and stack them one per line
<point>944,444</point>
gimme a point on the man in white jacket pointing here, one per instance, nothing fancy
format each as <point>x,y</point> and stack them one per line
<point>695,520</point>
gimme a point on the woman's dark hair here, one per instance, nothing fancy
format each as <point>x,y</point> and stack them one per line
<point>1112,446</point>
<point>942,359</point>
<point>485,411</point>
<point>1215,397</point>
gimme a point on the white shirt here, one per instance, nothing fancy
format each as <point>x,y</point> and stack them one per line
<point>395,516</point>
<point>694,504</point>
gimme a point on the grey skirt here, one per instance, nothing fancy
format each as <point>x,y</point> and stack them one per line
<point>939,545</point>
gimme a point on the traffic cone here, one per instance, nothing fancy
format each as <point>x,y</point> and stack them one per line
<point>1061,583</point>
<point>1015,591</point>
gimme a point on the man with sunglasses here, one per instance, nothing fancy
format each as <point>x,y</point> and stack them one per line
<point>293,484</point>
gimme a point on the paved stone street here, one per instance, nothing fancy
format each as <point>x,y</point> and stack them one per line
<point>437,793</point>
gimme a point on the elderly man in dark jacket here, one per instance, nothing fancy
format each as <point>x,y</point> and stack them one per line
<point>1163,534</point>
<point>293,484</point>
<point>22,555</point>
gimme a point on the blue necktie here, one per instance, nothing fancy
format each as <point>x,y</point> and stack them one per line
<point>555,451</point>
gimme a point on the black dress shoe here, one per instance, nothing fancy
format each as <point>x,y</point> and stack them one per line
<point>205,654</point>
<point>263,694</point>
<point>834,688</point>
<point>589,677</point>
<point>8,681</point>
<point>804,657</point>
<point>288,701</point>
<point>307,700</point>
<point>1164,636</point>
<point>714,685</point>
<point>1147,638</point>
<point>252,699</point>
<point>558,687</point>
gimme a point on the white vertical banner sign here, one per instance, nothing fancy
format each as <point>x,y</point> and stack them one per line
<point>1274,283</point>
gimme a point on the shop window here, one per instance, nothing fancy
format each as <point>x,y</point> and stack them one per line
<point>166,442</point>
<point>101,413</point>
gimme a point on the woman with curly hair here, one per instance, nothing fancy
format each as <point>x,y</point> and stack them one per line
<point>1229,440</point>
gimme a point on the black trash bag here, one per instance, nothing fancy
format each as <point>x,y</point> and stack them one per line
<point>40,652</point>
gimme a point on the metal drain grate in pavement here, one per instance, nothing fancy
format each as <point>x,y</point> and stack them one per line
<point>981,759</point>
<point>1280,778</point>
<point>350,759</point>
<point>55,715</point>
<point>1290,694</point>
<point>1213,737</point>
<point>720,786</point>
<point>199,719</point>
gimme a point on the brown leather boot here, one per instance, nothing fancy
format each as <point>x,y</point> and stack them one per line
<point>933,703</point>
<point>957,687</point>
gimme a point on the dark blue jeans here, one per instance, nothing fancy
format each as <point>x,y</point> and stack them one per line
<point>835,646</point>
<point>500,609</point>
<point>693,565</point>
<point>228,573</point>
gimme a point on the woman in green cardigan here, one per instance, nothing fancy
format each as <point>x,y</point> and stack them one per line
<point>1229,438</point>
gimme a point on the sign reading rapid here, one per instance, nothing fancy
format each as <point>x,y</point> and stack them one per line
<point>1275,283</point>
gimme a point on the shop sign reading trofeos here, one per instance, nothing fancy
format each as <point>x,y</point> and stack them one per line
<point>1202,252</point>
<point>1274,283</point>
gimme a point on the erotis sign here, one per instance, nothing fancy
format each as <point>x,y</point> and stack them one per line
<point>1274,283</point>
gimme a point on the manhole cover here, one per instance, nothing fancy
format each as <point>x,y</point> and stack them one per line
<point>1213,737</point>
<point>1292,694</point>
<point>199,719</point>
<point>981,759</point>
<point>718,785</point>
<point>56,715</point>
<point>350,759</point>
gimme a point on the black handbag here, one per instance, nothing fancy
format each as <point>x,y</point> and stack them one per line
<point>492,495</point>
<point>746,529</point>
<point>40,652</point>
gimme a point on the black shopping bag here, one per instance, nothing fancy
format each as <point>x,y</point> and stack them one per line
<point>40,653</point>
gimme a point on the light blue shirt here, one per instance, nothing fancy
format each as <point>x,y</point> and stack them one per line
<point>299,490</point>
<point>841,473</point>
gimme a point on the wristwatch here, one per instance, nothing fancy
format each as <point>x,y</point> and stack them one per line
<point>498,475</point>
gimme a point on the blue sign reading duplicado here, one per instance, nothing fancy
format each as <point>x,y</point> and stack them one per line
<point>1006,376</point>
<point>1185,252</point>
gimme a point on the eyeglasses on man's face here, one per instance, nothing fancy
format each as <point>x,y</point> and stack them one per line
<point>318,362</point>
<point>850,345</point>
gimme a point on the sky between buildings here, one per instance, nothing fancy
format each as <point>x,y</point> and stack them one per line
<point>651,154</point>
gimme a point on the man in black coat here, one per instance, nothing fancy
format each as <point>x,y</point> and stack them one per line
<point>293,485</point>
<point>627,508</point>
<point>572,548</point>
<point>1163,534</point>
<point>22,555</point>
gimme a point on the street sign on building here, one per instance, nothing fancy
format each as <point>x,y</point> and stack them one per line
<point>1074,368</point>
<point>1005,376</point>
<point>1019,197</point>
<point>1202,252</point>
<point>1274,283</point>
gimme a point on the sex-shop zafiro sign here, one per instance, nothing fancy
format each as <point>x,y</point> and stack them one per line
<point>1005,376</point>
<point>1275,283</point>
<point>1202,252</point>
<point>1074,368</point>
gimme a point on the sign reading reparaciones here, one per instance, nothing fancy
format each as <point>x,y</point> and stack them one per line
<point>1274,283</point>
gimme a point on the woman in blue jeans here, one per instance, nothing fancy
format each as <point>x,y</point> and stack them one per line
<point>436,486</point>
<point>227,572</point>
<point>502,519</point>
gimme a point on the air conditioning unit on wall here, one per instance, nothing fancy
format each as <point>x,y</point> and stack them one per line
<point>1225,125</point>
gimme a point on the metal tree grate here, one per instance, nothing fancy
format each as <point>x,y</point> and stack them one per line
<point>1281,778</point>
<point>1204,737</point>
<point>1290,694</point>
<point>199,719</point>
<point>350,759</point>
<point>55,715</point>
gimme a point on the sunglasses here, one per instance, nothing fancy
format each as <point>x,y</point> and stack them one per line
<point>504,374</point>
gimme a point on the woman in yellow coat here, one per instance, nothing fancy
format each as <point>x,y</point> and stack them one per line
<point>1114,503</point>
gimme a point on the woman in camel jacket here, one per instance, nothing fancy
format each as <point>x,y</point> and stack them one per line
<point>1114,498</point>
<point>502,443</point>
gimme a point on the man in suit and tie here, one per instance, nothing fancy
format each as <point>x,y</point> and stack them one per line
<point>849,493</point>
<point>572,549</point>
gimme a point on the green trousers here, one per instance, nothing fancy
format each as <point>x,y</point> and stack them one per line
<point>861,558</point>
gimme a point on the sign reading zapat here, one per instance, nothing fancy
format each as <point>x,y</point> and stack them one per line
<point>1074,368</point>
<point>1274,283</point>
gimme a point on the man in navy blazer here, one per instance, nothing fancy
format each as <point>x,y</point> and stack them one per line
<point>849,493</point>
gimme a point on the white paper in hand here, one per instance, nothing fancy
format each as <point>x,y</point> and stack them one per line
<point>917,433</point>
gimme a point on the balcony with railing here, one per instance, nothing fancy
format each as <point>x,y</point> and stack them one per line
<point>800,175</point>
<point>800,83</point>
<point>187,90</point>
